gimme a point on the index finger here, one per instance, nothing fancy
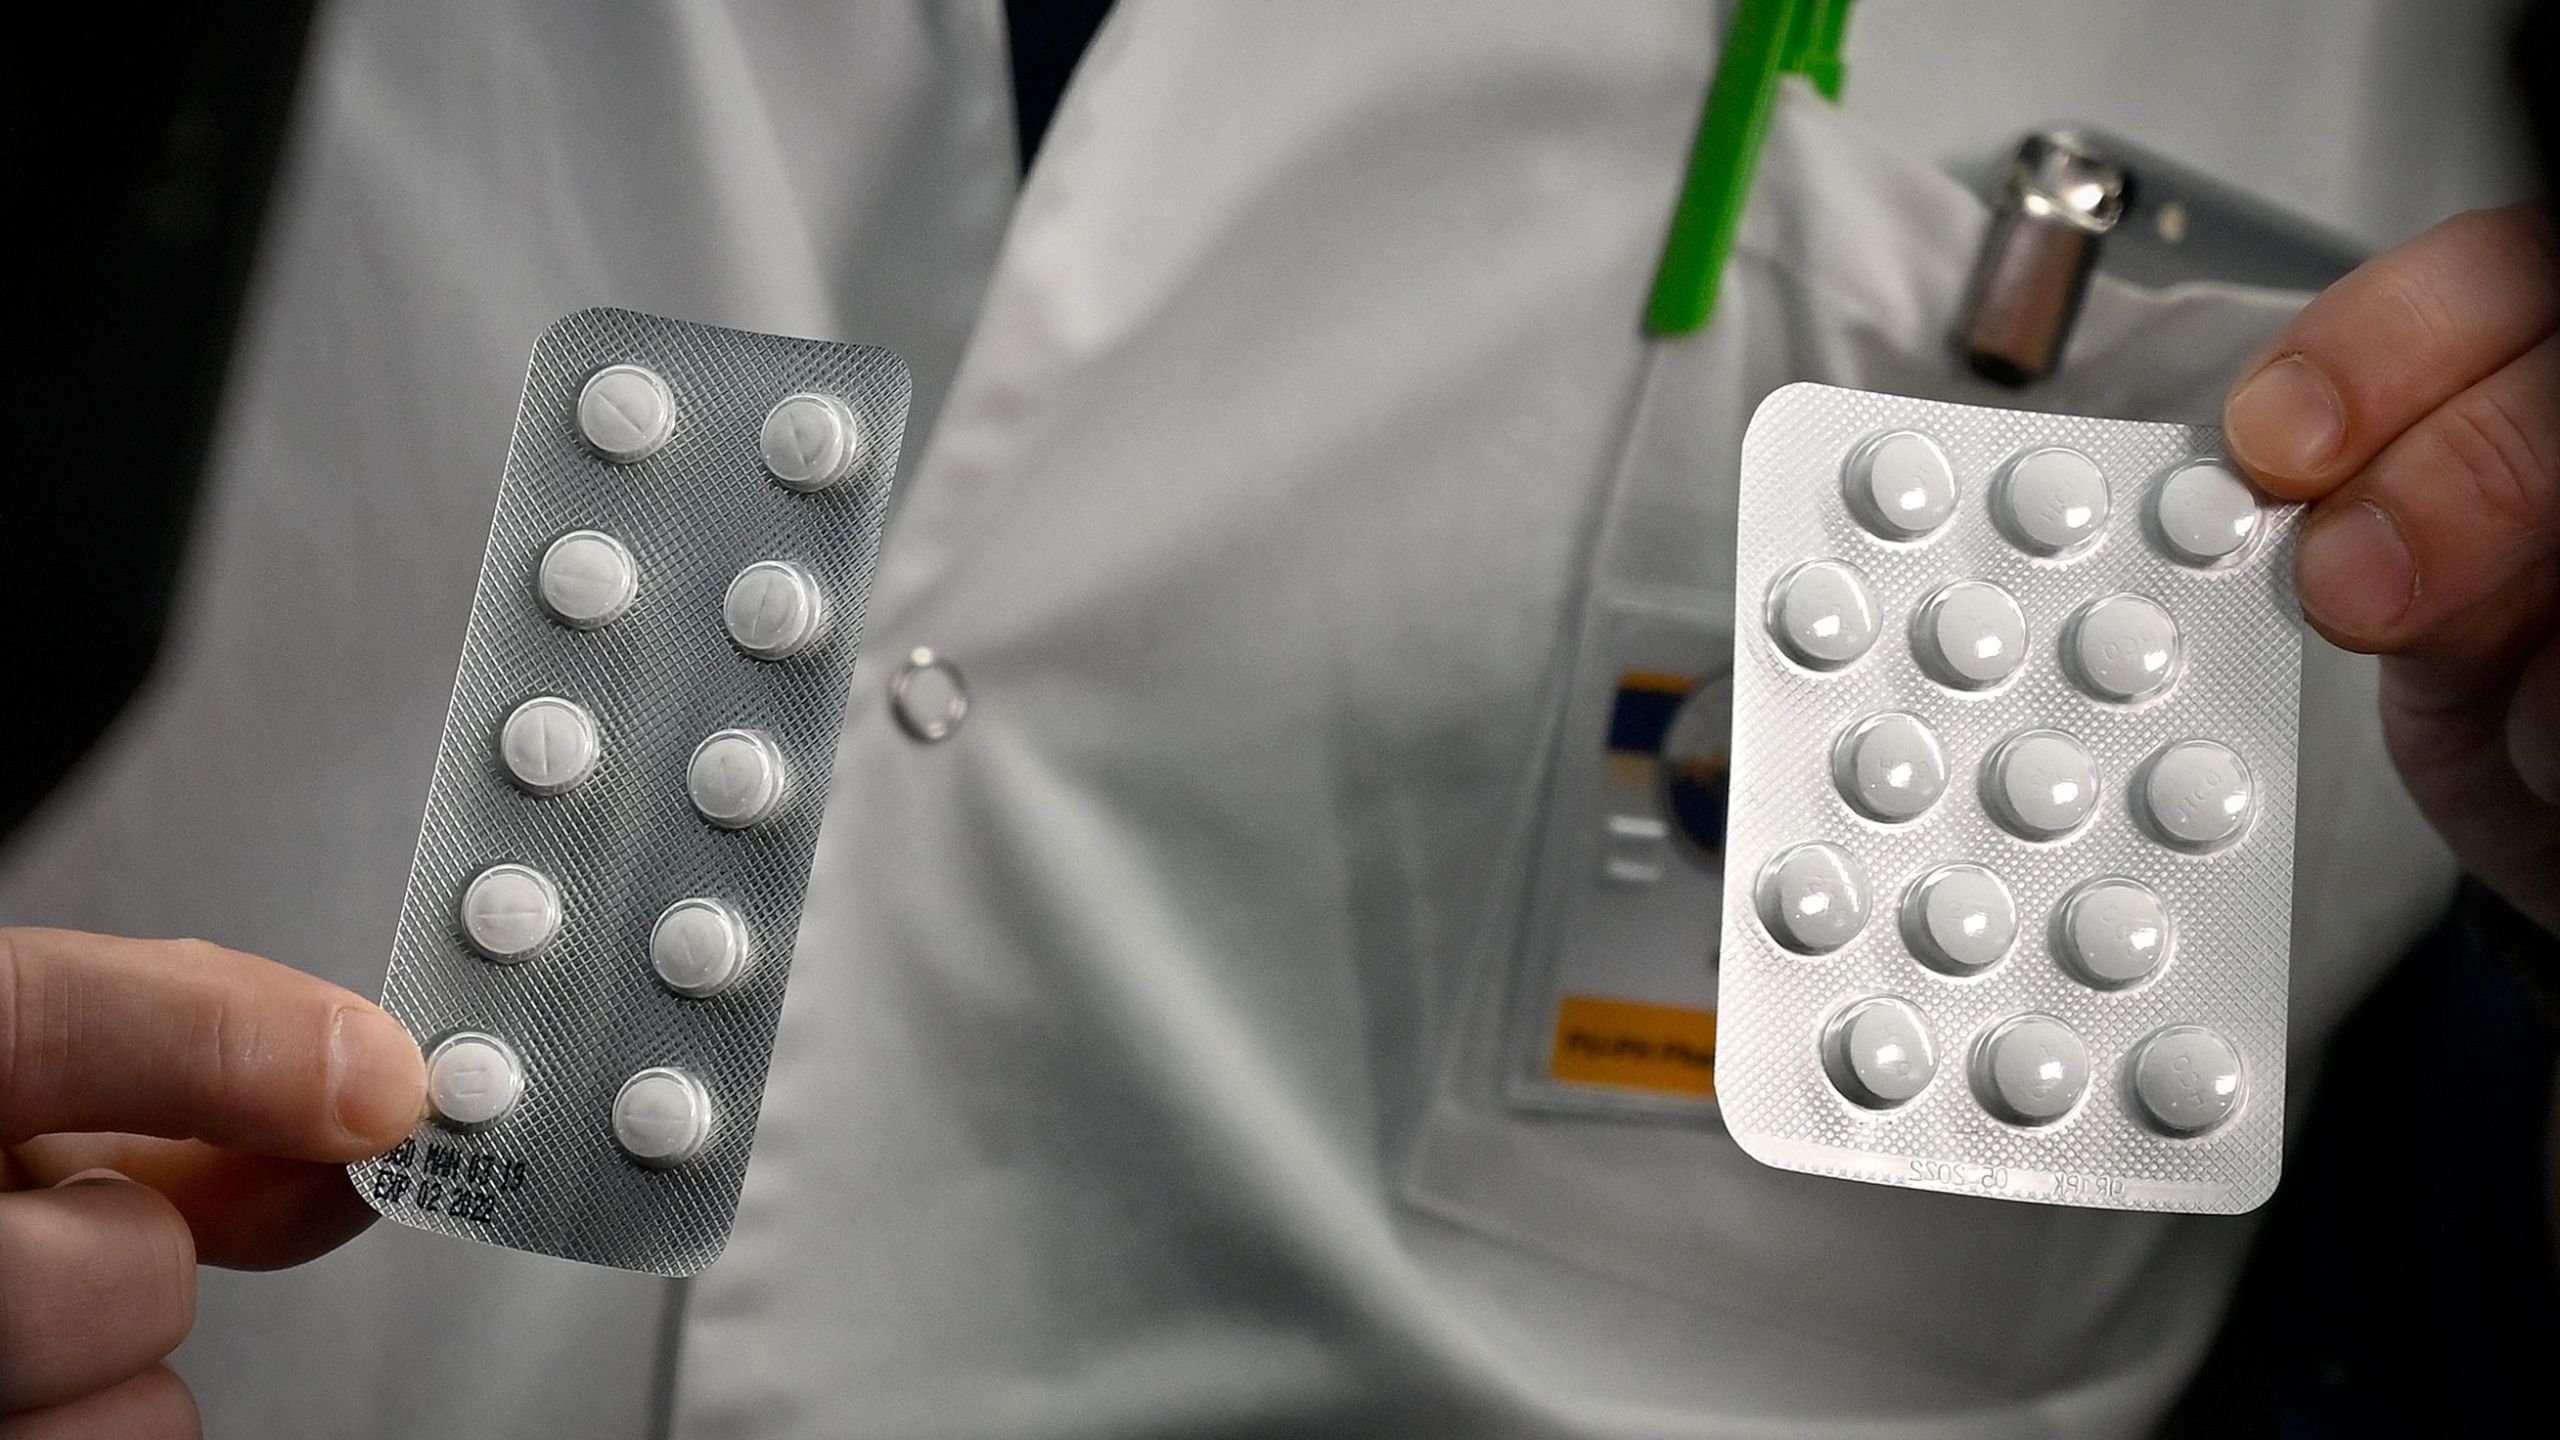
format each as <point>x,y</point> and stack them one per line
<point>2405,332</point>
<point>188,1040</point>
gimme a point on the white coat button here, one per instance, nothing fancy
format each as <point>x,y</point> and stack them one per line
<point>928,696</point>
<point>548,745</point>
<point>2031,1070</point>
<point>1879,1053</point>
<point>2122,648</point>
<point>698,947</point>
<point>2040,784</point>
<point>2050,501</point>
<point>810,441</point>
<point>1900,485</point>
<point>736,778</point>
<point>586,579</point>
<point>509,912</point>
<point>2197,795</point>
<point>661,1117</point>
<point>1821,614</point>
<point>625,413</point>
<point>1813,898</point>
<point>1959,919</point>
<point>2205,513</point>
<point>1889,767</point>
<point>773,610</point>
<point>1970,634</point>
<point>472,1079</point>
<point>2186,1079</point>
<point>2113,933</point>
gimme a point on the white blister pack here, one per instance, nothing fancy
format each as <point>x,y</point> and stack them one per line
<point>607,889</point>
<point>2010,844</point>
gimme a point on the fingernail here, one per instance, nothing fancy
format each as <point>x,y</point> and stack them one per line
<point>381,1077</point>
<point>2354,570</point>
<point>2286,420</point>
<point>95,1175</point>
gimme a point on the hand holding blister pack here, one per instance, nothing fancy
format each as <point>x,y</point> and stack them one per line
<point>2010,846</point>
<point>608,882</point>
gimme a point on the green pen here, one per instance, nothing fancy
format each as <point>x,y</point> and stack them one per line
<point>1767,39</point>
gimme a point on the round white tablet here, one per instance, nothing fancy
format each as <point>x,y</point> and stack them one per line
<point>810,441</point>
<point>1970,634</point>
<point>1813,898</point>
<point>625,413</point>
<point>661,1117</point>
<point>2040,784</point>
<point>2113,932</point>
<point>773,610</point>
<point>548,745</point>
<point>736,778</point>
<point>472,1079</point>
<point>509,912</point>
<point>586,579</point>
<point>2121,648</point>
<point>2205,513</point>
<point>698,947</point>
<point>1821,614</point>
<point>2031,1069</point>
<point>1879,1052</point>
<point>1959,919</point>
<point>2051,500</point>
<point>1900,485</point>
<point>1889,767</point>
<point>2185,1079</point>
<point>2197,795</point>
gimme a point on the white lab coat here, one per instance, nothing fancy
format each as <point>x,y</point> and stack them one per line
<point>1130,1082</point>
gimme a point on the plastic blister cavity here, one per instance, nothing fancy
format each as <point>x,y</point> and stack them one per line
<point>2007,907</point>
<point>628,791</point>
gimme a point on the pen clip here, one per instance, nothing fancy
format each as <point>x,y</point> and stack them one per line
<point>1767,39</point>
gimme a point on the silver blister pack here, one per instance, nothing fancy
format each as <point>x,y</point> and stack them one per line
<point>2010,844</point>
<point>607,889</point>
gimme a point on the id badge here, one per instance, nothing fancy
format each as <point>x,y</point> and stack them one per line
<point>1618,1012</point>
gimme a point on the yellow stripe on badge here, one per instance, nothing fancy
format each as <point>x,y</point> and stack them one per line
<point>1657,682</point>
<point>1660,1049</point>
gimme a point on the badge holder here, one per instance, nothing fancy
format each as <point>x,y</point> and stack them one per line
<point>1611,1007</point>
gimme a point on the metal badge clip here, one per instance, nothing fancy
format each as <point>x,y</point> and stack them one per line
<point>2060,200</point>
